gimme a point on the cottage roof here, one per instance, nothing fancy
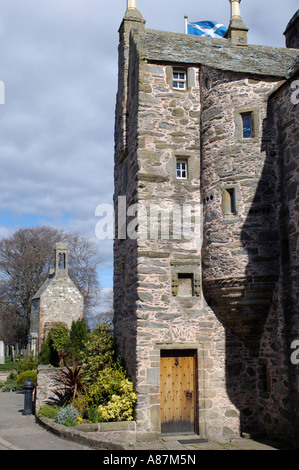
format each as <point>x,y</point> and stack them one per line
<point>42,289</point>
<point>216,53</point>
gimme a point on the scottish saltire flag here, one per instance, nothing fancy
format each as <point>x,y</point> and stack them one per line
<point>210,29</point>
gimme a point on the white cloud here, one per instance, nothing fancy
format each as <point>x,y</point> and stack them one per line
<point>59,66</point>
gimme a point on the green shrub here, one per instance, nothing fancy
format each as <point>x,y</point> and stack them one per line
<point>11,383</point>
<point>53,349</point>
<point>23,376</point>
<point>9,365</point>
<point>68,416</point>
<point>99,350</point>
<point>78,336</point>
<point>81,403</point>
<point>46,352</point>
<point>113,396</point>
<point>94,415</point>
<point>48,411</point>
<point>28,363</point>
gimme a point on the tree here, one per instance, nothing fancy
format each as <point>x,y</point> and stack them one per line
<point>25,259</point>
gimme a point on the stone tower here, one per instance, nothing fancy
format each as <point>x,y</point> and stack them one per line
<point>57,300</point>
<point>197,257</point>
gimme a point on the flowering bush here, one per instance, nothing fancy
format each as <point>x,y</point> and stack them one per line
<point>119,408</point>
<point>99,389</point>
<point>113,396</point>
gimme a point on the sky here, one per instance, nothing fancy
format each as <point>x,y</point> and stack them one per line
<point>58,63</point>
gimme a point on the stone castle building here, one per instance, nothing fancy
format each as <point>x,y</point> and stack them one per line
<point>57,301</point>
<point>206,135</point>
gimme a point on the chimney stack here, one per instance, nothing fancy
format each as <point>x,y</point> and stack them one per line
<point>237,30</point>
<point>131,4</point>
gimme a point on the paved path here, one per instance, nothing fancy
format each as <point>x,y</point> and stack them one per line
<point>18,432</point>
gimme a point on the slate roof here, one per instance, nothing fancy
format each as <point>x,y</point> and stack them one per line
<point>294,69</point>
<point>42,288</point>
<point>216,53</point>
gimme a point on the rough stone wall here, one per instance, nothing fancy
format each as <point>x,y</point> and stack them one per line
<point>240,249</point>
<point>125,249</point>
<point>229,161</point>
<point>279,405</point>
<point>47,387</point>
<point>148,316</point>
<point>230,319</point>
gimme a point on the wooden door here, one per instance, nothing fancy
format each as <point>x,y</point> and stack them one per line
<point>178,391</point>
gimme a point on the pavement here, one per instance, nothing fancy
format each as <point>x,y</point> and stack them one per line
<point>20,432</point>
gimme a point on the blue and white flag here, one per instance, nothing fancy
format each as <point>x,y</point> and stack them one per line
<point>210,29</point>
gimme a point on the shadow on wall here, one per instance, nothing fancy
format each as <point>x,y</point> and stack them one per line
<point>253,308</point>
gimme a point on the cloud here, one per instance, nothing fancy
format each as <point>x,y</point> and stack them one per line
<point>59,66</point>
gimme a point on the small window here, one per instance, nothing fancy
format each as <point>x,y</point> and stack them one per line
<point>208,83</point>
<point>264,384</point>
<point>247,123</point>
<point>124,175</point>
<point>185,285</point>
<point>229,202</point>
<point>61,261</point>
<point>179,80</point>
<point>232,200</point>
<point>182,170</point>
<point>285,251</point>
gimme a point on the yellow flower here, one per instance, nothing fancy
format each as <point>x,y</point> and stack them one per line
<point>79,419</point>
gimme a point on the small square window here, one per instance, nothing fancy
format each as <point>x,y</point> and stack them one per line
<point>247,123</point>
<point>185,285</point>
<point>181,170</point>
<point>179,80</point>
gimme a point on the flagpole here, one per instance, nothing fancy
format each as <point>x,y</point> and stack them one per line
<point>186,24</point>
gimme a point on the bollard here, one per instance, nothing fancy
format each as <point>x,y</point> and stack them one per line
<point>28,392</point>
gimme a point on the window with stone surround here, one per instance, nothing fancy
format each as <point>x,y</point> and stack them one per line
<point>185,283</point>
<point>181,169</point>
<point>247,125</point>
<point>229,201</point>
<point>179,79</point>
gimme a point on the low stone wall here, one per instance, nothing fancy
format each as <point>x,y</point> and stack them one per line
<point>102,436</point>
<point>46,386</point>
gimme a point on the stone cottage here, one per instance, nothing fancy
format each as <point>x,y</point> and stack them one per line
<point>57,300</point>
<point>206,230</point>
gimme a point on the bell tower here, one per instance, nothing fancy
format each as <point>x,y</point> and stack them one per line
<point>237,30</point>
<point>61,260</point>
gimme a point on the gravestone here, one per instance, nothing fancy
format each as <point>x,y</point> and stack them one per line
<point>2,360</point>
